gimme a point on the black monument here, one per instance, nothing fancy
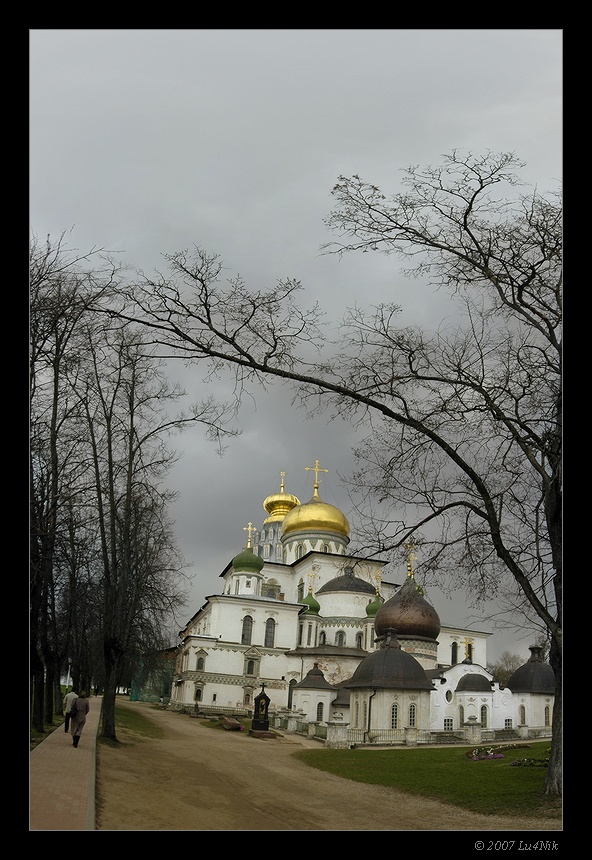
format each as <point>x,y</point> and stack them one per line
<point>261,713</point>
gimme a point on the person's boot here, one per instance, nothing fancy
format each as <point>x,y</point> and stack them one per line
<point>76,739</point>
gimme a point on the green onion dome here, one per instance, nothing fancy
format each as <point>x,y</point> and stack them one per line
<point>312,605</point>
<point>247,562</point>
<point>374,605</point>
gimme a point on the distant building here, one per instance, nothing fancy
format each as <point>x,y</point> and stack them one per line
<point>331,640</point>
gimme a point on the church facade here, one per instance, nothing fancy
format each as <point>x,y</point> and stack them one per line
<point>329,637</point>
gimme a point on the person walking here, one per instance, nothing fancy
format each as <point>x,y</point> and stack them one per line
<point>69,700</point>
<point>77,722</point>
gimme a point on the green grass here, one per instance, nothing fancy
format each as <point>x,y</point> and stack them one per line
<point>127,719</point>
<point>491,786</point>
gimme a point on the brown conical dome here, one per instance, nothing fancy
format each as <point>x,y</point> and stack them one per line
<point>408,613</point>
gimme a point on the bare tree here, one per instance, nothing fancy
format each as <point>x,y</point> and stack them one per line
<point>465,421</point>
<point>504,668</point>
<point>62,290</point>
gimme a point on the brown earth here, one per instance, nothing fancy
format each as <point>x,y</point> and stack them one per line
<point>199,778</point>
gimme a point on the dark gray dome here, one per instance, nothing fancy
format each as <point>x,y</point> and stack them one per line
<point>473,683</point>
<point>390,668</point>
<point>315,680</point>
<point>535,676</point>
<point>348,582</point>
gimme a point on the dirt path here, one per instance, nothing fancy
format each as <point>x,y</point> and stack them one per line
<point>196,778</point>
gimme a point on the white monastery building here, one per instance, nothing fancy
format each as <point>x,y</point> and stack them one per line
<point>333,643</point>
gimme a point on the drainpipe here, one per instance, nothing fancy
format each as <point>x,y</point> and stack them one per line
<point>367,732</point>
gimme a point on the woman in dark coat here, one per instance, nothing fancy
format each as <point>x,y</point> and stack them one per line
<point>77,722</point>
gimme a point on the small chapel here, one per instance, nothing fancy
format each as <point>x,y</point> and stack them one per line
<point>336,643</point>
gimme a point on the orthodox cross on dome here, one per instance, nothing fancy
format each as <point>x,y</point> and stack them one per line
<point>316,469</point>
<point>410,547</point>
<point>312,575</point>
<point>377,579</point>
<point>467,642</point>
<point>251,530</point>
<point>282,476</point>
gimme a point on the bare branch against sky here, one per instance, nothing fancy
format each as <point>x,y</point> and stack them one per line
<point>148,142</point>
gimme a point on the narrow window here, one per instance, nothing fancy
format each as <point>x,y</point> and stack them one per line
<point>322,638</point>
<point>547,715</point>
<point>484,716</point>
<point>394,716</point>
<point>269,633</point>
<point>320,712</point>
<point>461,714</point>
<point>454,654</point>
<point>300,590</point>
<point>247,630</point>
<point>359,640</point>
<point>251,667</point>
<point>309,634</point>
<point>522,715</point>
<point>200,664</point>
<point>412,714</point>
<point>340,639</point>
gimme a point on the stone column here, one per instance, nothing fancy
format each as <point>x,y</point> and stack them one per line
<point>410,736</point>
<point>472,730</point>
<point>337,735</point>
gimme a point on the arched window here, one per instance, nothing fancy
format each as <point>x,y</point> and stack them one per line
<point>522,715</point>
<point>461,714</point>
<point>198,693</point>
<point>266,550</point>
<point>358,640</point>
<point>454,654</point>
<point>251,667</point>
<point>300,591</point>
<point>200,664</point>
<point>365,714</point>
<point>412,715</point>
<point>278,552</point>
<point>320,712</point>
<point>340,639</point>
<point>322,638</point>
<point>357,715</point>
<point>547,715</point>
<point>269,633</point>
<point>484,716</point>
<point>325,548</point>
<point>247,699</point>
<point>394,716</point>
<point>300,551</point>
<point>247,630</point>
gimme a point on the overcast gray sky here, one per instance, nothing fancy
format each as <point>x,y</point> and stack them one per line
<point>146,142</point>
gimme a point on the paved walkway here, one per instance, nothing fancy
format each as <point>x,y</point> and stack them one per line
<point>62,778</point>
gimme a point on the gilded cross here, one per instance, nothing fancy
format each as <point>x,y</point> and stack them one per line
<point>312,575</point>
<point>316,469</point>
<point>251,531</point>
<point>282,476</point>
<point>410,547</point>
<point>467,643</point>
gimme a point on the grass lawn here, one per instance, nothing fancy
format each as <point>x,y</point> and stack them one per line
<point>489,786</point>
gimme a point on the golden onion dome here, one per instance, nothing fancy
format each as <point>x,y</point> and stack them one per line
<point>279,504</point>
<point>316,516</point>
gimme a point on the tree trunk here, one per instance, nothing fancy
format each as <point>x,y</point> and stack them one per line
<point>554,780</point>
